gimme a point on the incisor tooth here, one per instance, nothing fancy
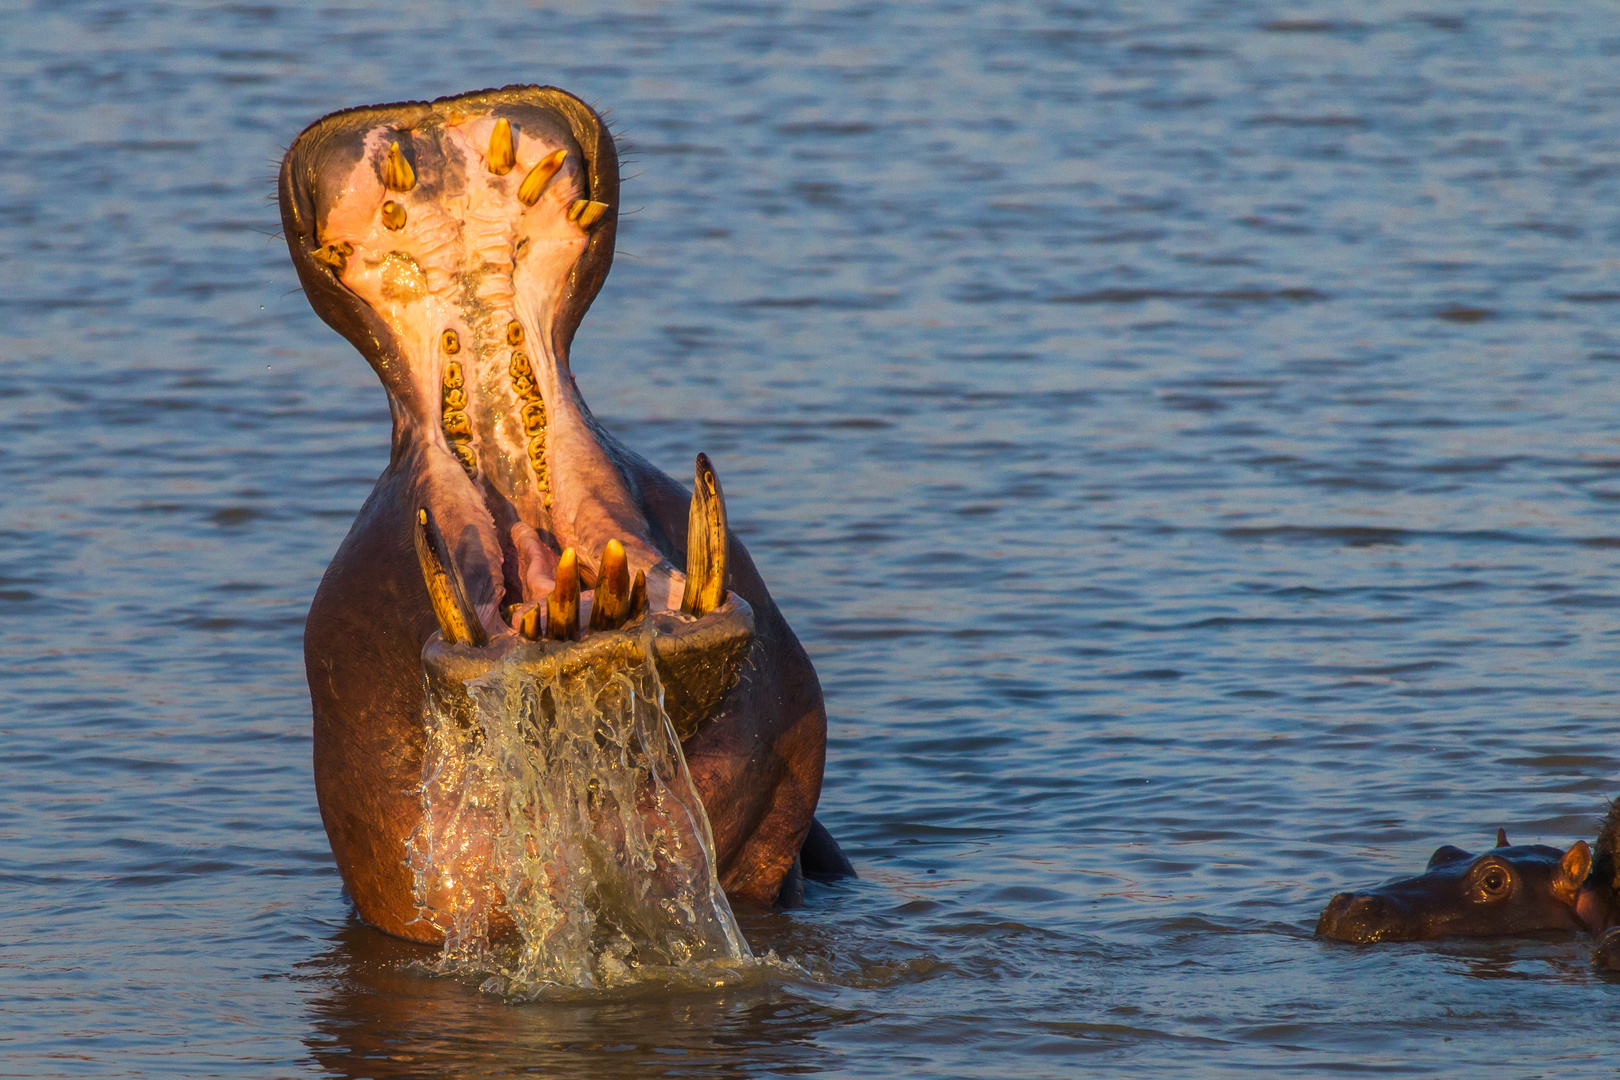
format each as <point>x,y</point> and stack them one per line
<point>637,606</point>
<point>562,606</point>
<point>393,215</point>
<point>457,621</point>
<point>539,176</point>
<point>528,622</point>
<point>397,172</point>
<point>707,543</point>
<point>501,156</point>
<point>586,212</point>
<point>612,589</point>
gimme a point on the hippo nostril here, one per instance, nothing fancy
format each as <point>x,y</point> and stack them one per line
<point>1367,907</point>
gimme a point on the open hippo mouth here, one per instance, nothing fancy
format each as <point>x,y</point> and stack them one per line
<point>457,244</point>
<point>450,243</point>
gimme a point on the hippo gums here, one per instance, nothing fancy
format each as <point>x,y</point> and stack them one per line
<point>457,244</point>
<point>1509,889</point>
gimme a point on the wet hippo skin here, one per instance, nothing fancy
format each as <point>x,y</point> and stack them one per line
<point>1508,889</point>
<point>457,244</point>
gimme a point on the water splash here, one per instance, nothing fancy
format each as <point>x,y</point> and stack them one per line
<point>563,809</point>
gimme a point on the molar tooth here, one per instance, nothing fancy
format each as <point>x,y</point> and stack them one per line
<point>586,212</point>
<point>334,256</point>
<point>534,417</point>
<point>455,399</point>
<point>612,588</point>
<point>457,622</point>
<point>452,376</point>
<point>393,216</point>
<point>636,607</point>
<point>397,172</point>
<point>562,606</point>
<point>501,155</point>
<point>468,459</point>
<point>450,342</point>
<point>539,176</point>
<point>707,543</point>
<point>514,333</point>
<point>456,425</point>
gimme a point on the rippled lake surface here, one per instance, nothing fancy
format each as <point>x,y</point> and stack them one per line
<point>1184,437</point>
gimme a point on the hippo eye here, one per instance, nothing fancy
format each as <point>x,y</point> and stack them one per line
<point>1494,881</point>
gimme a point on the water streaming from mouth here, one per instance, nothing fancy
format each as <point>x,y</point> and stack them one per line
<point>563,804</point>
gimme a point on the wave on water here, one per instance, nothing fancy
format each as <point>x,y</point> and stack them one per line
<point>563,809</point>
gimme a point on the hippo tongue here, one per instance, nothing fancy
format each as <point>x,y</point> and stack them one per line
<point>456,245</point>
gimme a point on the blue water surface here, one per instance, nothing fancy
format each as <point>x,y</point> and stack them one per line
<point>1186,437</point>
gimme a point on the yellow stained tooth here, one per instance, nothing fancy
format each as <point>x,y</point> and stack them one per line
<point>585,212</point>
<point>465,455</point>
<point>520,366</point>
<point>343,248</point>
<point>514,333</point>
<point>457,621</point>
<point>456,425</point>
<point>452,375</point>
<point>528,623</point>
<point>522,385</point>
<point>534,418</point>
<point>539,176</point>
<point>454,399</point>
<point>393,215</point>
<point>501,155</point>
<point>707,543</point>
<point>450,342</point>
<point>637,605</point>
<point>397,172</point>
<point>612,589</point>
<point>562,606</point>
<point>331,256</point>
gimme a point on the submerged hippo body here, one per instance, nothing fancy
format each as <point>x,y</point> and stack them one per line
<point>1509,889</point>
<point>457,245</point>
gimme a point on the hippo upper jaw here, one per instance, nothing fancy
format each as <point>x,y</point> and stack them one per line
<point>457,245</point>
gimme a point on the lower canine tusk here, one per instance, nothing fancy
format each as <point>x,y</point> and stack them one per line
<point>707,540</point>
<point>456,619</point>
<point>562,606</point>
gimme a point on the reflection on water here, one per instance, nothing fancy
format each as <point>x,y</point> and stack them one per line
<point>1184,437</point>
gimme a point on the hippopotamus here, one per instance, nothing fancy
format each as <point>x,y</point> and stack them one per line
<point>1507,889</point>
<point>457,245</point>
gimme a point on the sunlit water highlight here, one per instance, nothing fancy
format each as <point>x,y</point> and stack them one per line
<point>563,801</point>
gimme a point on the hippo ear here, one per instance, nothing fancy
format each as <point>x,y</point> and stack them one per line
<point>1572,871</point>
<point>1501,838</point>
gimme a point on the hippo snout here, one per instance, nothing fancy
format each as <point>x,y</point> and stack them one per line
<point>1361,918</point>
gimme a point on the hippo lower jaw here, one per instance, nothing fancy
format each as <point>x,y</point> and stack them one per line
<point>457,244</point>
